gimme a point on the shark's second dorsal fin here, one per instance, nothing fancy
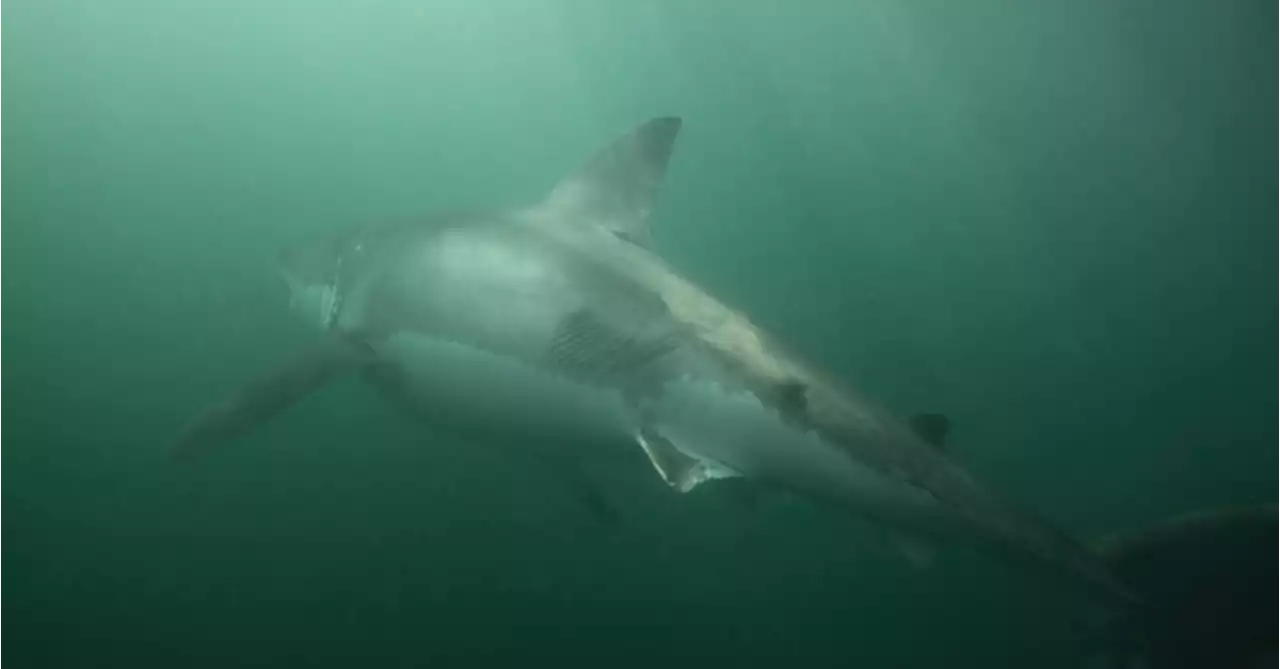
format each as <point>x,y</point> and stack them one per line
<point>615,188</point>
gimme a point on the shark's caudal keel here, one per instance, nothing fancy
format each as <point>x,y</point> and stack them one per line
<point>556,327</point>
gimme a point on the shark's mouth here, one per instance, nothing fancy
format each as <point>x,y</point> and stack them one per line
<point>317,303</point>
<point>330,303</point>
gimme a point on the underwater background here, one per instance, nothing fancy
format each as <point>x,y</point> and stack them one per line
<point>1051,221</point>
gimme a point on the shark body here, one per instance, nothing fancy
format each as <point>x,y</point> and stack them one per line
<point>556,323</point>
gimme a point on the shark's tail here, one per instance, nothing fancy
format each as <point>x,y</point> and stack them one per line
<point>1208,582</point>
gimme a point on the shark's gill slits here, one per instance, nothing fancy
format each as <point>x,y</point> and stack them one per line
<point>586,348</point>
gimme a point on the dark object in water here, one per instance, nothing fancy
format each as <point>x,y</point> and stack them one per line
<point>1209,582</point>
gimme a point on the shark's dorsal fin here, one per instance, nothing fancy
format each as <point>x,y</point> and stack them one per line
<point>615,188</point>
<point>932,428</point>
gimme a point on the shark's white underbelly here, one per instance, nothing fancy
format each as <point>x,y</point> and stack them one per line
<point>476,392</point>
<point>732,427</point>
<point>479,393</point>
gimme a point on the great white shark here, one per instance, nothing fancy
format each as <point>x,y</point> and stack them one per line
<point>557,326</point>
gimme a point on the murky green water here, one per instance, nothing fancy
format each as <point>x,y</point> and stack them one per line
<point>1052,221</point>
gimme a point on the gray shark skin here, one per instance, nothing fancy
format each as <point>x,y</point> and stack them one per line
<point>555,323</point>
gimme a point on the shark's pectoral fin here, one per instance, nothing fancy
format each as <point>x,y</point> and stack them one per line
<point>265,397</point>
<point>616,187</point>
<point>919,552</point>
<point>680,471</point>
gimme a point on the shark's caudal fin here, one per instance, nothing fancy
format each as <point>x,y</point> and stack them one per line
<point>262,399</point>
<point>1208,581</point>
<point>616,187</point>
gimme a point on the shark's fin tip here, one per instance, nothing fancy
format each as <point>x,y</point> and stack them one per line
<point>615,188</point>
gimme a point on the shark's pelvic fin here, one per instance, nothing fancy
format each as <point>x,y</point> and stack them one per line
<point>616,187</point>
<point>585,490</point>
<point>932,428</point>
<point>680,471</point>
<point>257,402</point>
